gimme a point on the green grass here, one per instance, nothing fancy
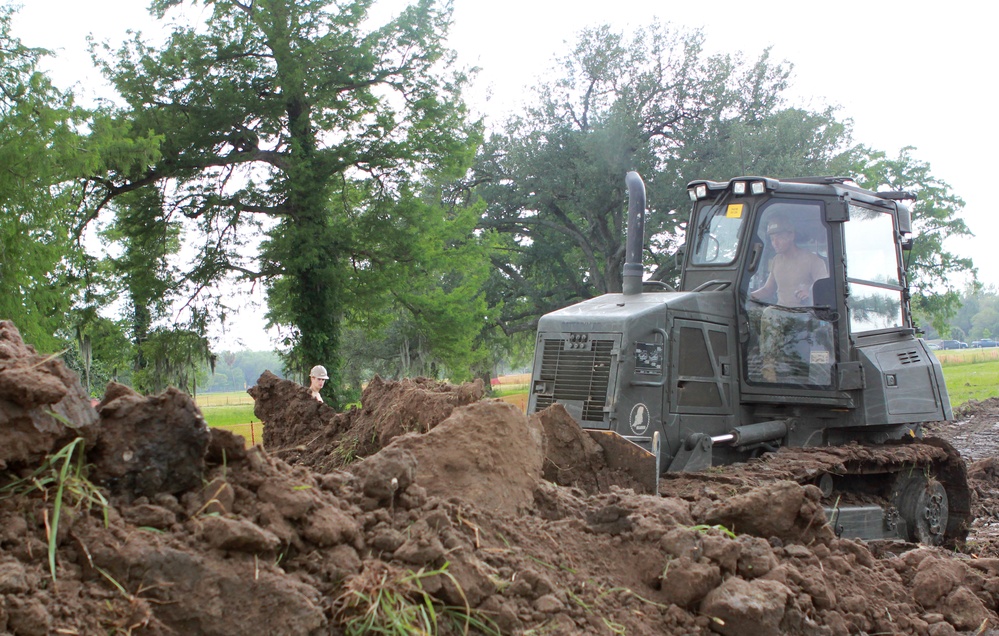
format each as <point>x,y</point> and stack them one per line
<point>226,416</point>
<point>231,398</point>
<point>508,389</point>
<point>970,374</point>
<point>232,411</point>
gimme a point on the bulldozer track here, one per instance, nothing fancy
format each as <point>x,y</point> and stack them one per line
<point>872,465</point>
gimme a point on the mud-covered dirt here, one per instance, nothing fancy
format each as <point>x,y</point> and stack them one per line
<point>433,494</point>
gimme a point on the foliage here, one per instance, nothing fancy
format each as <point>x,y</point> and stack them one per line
<point>175,359</point>
<point>977,316</point>
<point>37,142</point>
<point>933,271</point>
<point>553,180</point>
<point>148,238</point>
<point>426,313</point>
<point>239,370</point>
<point>47,144</point>
<point>296,119</point>
<point>100,353</point>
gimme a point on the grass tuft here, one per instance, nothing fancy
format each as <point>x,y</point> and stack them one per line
<point>61,479</point>
<point>704,529</point>
<point>386,601</point>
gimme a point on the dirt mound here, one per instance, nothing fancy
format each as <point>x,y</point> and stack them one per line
<point>43,405</point>
<point>313,435</point>
<point>975,408</point>
<point>455,513</point>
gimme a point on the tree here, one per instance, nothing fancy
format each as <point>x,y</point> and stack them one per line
<point>37,141</point>
<point>175,358</point>
<point>101,353</point>
<point>554,178</point>
<point>289,117</point>
<point>432,324</point>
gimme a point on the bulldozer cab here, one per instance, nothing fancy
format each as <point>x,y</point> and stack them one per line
<point>813,267</point>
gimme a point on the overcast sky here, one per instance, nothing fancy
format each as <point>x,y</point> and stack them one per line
<point>906,74</point>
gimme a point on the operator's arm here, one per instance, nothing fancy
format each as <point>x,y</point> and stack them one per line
<point>767,291</point>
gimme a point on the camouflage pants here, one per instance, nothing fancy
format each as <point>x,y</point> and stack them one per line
<point>795,347</point>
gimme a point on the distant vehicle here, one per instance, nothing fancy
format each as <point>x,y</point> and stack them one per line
<point>932,346</point>
<point>985,342</point>
<point>953,344</point>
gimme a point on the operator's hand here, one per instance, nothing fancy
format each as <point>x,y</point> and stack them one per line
<point>801,294</point>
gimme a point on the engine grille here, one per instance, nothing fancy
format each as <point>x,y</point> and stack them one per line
<point>572,374</point>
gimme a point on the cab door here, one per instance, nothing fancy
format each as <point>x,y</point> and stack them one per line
<point>788,300</point>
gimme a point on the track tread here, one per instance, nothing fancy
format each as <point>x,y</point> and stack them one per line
<point>805,465</point>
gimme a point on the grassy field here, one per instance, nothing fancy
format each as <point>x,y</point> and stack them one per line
<point>970,374</point>
<point>233,411</point>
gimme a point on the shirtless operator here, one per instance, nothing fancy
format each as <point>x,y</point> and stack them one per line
<point>792,270</point>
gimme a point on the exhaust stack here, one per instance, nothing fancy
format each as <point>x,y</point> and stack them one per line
<point>631,282</point>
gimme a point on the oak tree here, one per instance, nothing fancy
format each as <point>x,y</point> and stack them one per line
<point>303,120</point>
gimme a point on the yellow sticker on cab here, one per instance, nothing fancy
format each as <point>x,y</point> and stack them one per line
<point>734,211</point>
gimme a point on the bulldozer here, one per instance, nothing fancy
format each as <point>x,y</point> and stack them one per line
<point>790,336</point>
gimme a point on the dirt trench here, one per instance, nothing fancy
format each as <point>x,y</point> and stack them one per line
<point>437,494</point>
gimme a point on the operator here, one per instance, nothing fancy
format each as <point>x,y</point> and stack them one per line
<point>317,378</point>
<point>793,270</point>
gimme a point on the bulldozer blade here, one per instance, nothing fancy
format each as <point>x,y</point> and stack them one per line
<point>622,454</point>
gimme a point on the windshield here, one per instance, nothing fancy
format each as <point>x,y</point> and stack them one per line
<point>716,234</point>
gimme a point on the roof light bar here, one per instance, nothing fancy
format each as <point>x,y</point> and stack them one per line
<point>699,191</point>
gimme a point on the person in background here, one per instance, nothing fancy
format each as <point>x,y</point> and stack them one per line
<point>317,378</point>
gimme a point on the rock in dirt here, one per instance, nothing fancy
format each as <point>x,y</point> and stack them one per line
<point>747,608</point>
<point>42,405</point>
<point>149,445</point>
<point>573,458</point>
<point>783,509</point>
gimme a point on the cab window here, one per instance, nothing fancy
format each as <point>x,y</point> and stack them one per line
<point>872,270</point>
<point>716,233</point>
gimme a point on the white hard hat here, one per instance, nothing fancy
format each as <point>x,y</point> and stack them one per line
<point>319,371</point>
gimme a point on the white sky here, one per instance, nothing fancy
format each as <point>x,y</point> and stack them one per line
<point>908,73</point>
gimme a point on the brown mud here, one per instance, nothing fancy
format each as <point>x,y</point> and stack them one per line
<point>431,492</point>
